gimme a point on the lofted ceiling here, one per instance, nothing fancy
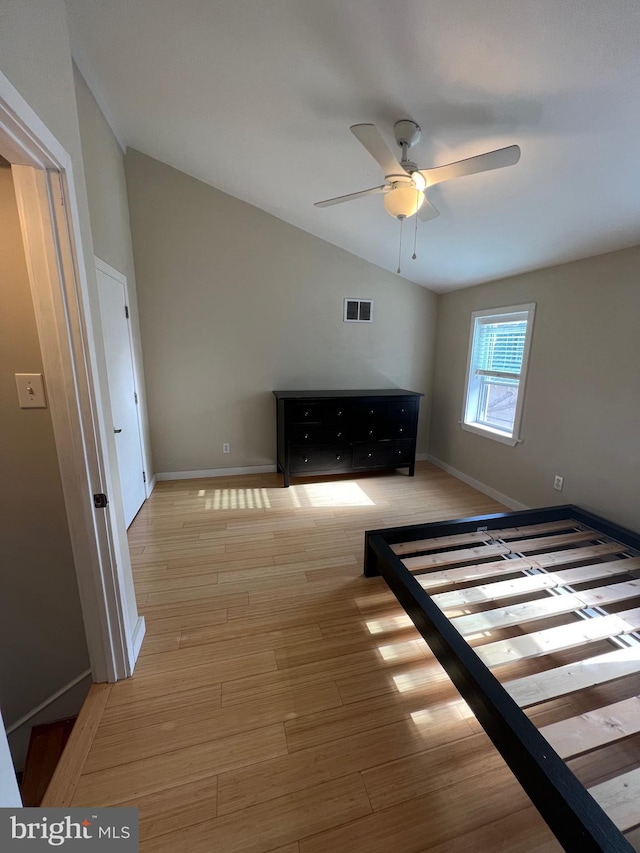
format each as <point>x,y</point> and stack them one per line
<point>256,98</point>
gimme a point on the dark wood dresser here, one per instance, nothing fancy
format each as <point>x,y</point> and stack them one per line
<point>324,432</point>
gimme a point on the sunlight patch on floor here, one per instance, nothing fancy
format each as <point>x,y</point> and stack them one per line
<point>333,494</point>
<point>422,719</point>
<point>407,681</point>
<point>388,624</point>
<point>409,650</point>
<point>310,495</point>
<point>465,710</point>
<point>235,499</point>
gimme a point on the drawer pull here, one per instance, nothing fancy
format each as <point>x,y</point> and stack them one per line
<point>338,457</point>
<point>401,429</point>
<point>371,412</point>
<point>306,415</point>
<point>369,455</point>
<point>305,459</point>
<point>370,432</point>
<point>339,414</point>
<point>306,435</point>
<point>338,434</point>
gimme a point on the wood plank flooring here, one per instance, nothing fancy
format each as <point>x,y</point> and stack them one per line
<point>283,703</point>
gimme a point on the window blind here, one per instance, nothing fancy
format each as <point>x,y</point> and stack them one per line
<point>499,347</point>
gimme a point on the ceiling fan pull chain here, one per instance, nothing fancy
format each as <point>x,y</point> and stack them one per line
<point>401,218</point>
<point>415,237</point>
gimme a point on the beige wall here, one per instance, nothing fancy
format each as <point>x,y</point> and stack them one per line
<point>235,303</point>
<point>582,407</point>
<point>109,213</point>
<point>42,640</point>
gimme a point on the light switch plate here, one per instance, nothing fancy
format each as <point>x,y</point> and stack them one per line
<point>31,391</point>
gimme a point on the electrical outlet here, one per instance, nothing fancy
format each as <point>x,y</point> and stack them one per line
<point>226,448</point>
<point>558,482</point>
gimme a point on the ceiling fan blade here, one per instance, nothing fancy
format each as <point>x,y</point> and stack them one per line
<point>427,211</point>
<point>339,199</point>
<point>481,163</point>
<point>369,136</point>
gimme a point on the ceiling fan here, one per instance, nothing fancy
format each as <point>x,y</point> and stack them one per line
<point>405,184</point>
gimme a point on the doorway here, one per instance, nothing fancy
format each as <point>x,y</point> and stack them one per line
<point>65,304</point>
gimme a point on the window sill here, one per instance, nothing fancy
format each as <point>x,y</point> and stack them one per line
<point>487,432</point>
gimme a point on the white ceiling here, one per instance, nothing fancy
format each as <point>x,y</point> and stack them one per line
<point>256,98</point>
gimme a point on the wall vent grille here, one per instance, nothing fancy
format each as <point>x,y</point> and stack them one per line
<point>358,310</point>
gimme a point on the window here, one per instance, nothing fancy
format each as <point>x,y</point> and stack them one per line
<point>496,372</point>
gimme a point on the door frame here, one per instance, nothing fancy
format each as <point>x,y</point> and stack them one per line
<point>116,275</point>
<point>48,209</point>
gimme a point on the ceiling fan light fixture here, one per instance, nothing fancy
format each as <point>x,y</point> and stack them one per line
<point>403,201</point>
<point>419,180</point>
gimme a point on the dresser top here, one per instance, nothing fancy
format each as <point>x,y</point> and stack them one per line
<point>367,392</point>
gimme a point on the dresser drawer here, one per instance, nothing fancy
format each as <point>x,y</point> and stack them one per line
<point>318,459</point>
<point>382,420</point>
<point>326,411</point>
<point>382,454</point>
<point>318,433</point>
<point>376,410</point>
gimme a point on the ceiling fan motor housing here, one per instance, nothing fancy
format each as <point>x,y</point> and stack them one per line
<point>407,132</point>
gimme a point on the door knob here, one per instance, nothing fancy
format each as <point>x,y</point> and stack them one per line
<point>117,430</point>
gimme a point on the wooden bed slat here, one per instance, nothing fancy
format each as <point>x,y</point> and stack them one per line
<point>535,529</point>
<point>563,680</point>
<point>491,549</point>
<point>448,577</point>
<point>620,799</point>
<point>439,542</point>
<point>541,608</point>
<point>481,536</point>
<point>533,583</point>
<point>555,639</point>
<point>539,543</point>
<point>578,735</point>
<point>449,558</point>
<point>462,574</point>
<point>574,555</point>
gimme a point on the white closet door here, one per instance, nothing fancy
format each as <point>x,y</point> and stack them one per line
<point>122,391</point>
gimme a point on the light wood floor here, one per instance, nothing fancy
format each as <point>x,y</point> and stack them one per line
<point>282,704</point>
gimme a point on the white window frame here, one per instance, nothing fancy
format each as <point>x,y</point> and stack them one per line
<point>473,386</point>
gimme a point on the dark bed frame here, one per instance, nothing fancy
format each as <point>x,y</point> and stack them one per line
<point>573,815</point>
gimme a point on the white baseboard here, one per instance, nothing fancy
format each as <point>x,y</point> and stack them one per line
<point>215,472</point>
<point>476,484</point>
<point>136,640</point>
<point>151,485</point>
<point>48,701</point>
<point>231,472</point>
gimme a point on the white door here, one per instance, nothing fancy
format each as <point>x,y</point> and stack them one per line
<point>114,315</point>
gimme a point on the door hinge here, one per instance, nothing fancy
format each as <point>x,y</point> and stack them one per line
<point>100,501</point>
<point>135,397</point>
<point>126,311</point>
<point>144,476</point>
